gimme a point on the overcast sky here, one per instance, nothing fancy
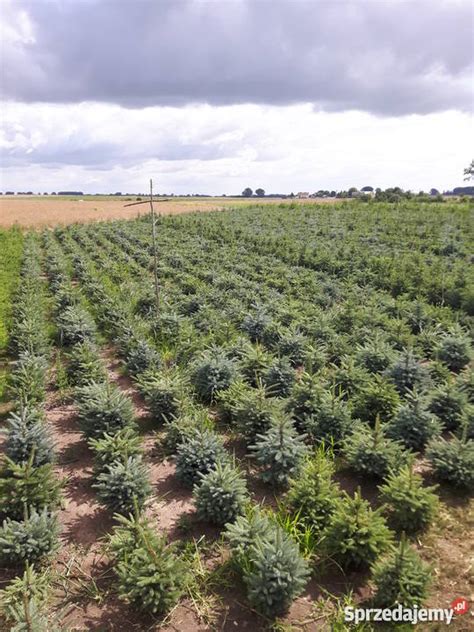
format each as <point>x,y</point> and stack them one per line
<point>210,97</point>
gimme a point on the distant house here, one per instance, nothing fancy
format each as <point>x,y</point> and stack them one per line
<point>368,191</point>
<point>356,194</point>
<point>303,195</point>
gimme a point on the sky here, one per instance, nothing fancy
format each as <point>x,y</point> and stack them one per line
<point>214,96</point>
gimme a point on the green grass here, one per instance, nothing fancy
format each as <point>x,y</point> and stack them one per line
<point>11,247</point>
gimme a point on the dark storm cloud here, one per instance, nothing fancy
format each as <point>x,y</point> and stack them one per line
<point>394,57</point>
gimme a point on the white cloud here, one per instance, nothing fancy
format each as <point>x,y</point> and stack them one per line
<point>210,149</point>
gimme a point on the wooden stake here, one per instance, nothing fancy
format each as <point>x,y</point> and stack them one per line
<point>155,253</point>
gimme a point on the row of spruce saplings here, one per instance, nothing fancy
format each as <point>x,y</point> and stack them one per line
<point>29,490</point>
<point>151,573</point>
<point>70,330</point>
<point>214,233</point>
<point>112,232</point>
<point>452,350</point>
<point>119,470</point>
<point>418,422</point>
<point>414,425</point>
<point>221,497</point>
<point>326,251</point>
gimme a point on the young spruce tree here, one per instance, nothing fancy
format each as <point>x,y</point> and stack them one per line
<point>369,451</point>
<point>103,408</point>
<point>111,448</point>
<point>24,603</point>
<point>124,485</point>
<point>30,539</point>
<point>448,402</point>
<point>279,452</point>
<point>455,352</point>
<point>269,561</point>
<point>414,425</point>
<point>408,505</point>
<point>28,435</point>
<point>198,454</point>
<point>407,373</point>
<point>84,365</point>
<point>213,373</point>
<point>22,485</point>
<point>357,534</point>
<point>313,494</point>
<point>400,578</point>
<point>331,422</point>
<point>164,392</point>
<point>150,574</point>
<point>221,495</point>
<point>453,461</point>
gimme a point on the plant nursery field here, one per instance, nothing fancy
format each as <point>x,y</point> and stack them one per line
<point>264,420</point>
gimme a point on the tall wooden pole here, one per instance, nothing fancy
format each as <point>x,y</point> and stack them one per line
<point>155,253</point>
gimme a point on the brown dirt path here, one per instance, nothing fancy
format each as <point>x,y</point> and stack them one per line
<point>170,499</point>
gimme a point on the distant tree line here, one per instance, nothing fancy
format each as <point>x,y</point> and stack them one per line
<point>461,191</point>
<point>366,193</point>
